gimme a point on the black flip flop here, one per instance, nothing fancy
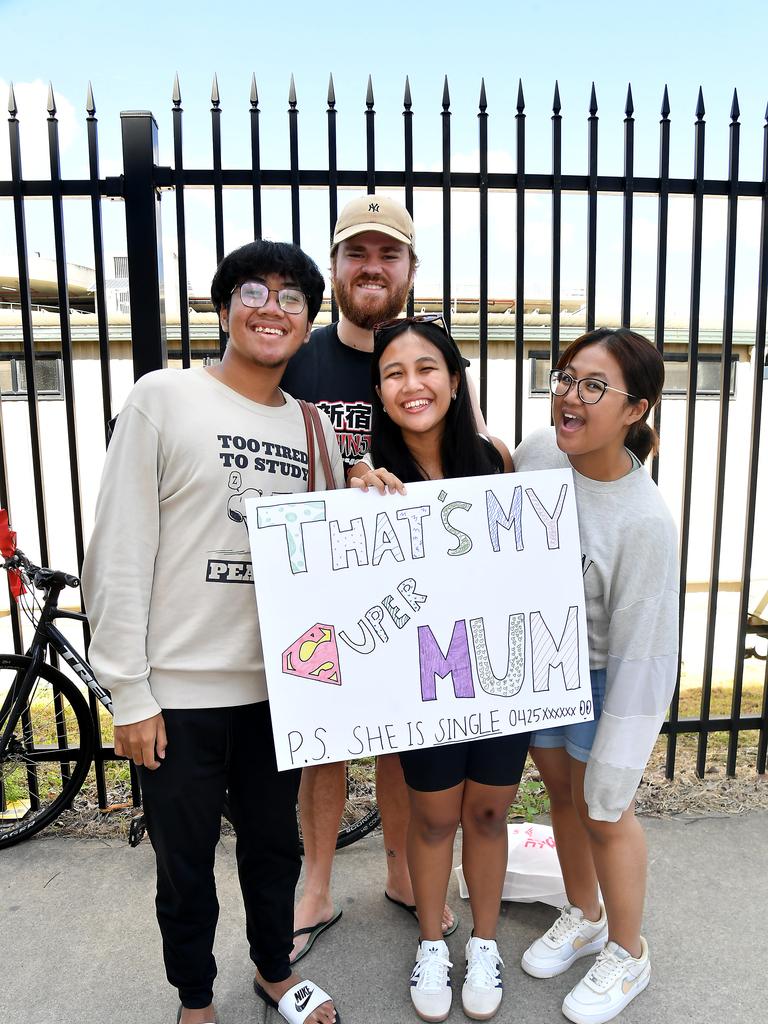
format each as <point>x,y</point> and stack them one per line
<point>410,908</point>
<point>314,931</point>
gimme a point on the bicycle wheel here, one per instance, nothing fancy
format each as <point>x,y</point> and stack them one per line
<point>361,812</point>
<point>48,753</point>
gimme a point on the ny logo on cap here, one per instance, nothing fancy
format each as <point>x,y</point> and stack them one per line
<point>373,207</point>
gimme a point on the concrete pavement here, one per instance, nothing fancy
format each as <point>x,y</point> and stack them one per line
<point>79,942</point>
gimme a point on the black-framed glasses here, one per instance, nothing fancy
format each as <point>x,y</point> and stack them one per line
<point>589,389</point>
<point>256,294</point>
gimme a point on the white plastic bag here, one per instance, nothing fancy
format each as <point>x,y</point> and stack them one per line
<point>533,871</point>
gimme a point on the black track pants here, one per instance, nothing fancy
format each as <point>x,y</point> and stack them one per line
<point>212,751</point>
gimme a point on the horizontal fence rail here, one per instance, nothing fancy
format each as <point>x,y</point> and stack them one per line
<point>143,179</point>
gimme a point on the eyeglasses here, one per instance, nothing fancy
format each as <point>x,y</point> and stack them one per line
<point>589,389</point>
<point>419,318</point>
<point>256,294</point>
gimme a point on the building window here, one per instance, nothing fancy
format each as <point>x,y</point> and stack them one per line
<point>48,376</point>
<point>675,375</point>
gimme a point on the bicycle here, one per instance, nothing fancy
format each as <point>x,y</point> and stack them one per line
<point>47,732</point>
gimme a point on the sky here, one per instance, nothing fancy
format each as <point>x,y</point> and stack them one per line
<point>130,54</point>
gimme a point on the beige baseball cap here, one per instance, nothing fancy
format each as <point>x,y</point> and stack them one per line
<point>374,213</point>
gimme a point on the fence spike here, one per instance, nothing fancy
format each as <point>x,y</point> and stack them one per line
<point>700,111</point>
<point>446,95</point>
<point>369,94</point>
<point>556,106</point>
<point>51,105</point>
<point>407,102</point>
<point>292,92</point>
<point>629,108</point>
<point>665,104</point>
<point>12,108</point>
<point>90,103</point>
<point>766,112</point>
<point>483,100</point>
<point>215,92</point>
<point>593,101</point>
<point>331,92</point>
<point>254,97</point>
<point>735,107</point>
<point>176,95</point>
<point>520,97</point>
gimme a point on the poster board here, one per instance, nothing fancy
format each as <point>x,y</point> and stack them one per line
<point>391,622</point>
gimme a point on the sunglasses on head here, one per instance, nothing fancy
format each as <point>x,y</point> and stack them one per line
<point>420,318</point>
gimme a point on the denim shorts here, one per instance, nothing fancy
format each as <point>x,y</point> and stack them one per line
<point>578,738</point>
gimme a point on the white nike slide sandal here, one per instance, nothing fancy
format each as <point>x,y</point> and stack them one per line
<point>298,1002</point>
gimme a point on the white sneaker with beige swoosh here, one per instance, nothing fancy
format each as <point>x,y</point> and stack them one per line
<point>613,981</point>
<point>571,937</point>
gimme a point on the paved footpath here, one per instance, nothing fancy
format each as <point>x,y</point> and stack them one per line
<point>79,943</point>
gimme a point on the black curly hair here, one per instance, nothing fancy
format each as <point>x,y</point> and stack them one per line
<point>259,258</point>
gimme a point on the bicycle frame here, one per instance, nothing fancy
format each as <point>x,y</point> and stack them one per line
<point>47,635</point>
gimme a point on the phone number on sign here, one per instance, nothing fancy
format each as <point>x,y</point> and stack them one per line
<point>535,716</point>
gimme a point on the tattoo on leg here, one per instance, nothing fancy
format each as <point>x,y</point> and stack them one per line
<point>391,853</point>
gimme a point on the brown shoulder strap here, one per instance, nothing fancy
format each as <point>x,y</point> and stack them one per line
<point>322,447</point>
<point>308,421</point>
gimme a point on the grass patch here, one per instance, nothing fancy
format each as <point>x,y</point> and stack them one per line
<point>717,742</point>
<point>532,799</point>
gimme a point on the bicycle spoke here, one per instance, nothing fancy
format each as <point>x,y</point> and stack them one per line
<point>47,755</point>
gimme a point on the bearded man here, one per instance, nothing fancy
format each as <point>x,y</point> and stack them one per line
<point>373,263</point>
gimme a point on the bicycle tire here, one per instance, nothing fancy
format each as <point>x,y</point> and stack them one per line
<point>361,813</point>
<point>57,732</point>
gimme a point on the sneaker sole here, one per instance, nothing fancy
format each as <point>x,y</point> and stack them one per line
<point>551,971</point>
<point>431,1018</point>
<point>603,1018</point>
<point>474,1015</point>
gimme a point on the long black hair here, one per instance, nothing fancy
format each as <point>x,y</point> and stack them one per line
<point>462,451</point>
<point>642,367</point>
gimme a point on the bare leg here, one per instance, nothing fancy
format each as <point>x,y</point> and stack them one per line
<point>574,850</point>
<point>204,1016</point>
<point>484,851</point>
<point>431,830</point>
<point>321,802</point>
<point>325,1013</point>
<point>392,798</point>
<point>621,861</point>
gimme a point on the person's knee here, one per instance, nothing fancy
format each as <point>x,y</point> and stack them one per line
<point>485,820</point>
<point>559,792</point>
<point>434,828</point>
<point>604,833</point>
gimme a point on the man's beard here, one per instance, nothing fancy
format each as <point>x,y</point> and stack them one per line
<point>366,317</point>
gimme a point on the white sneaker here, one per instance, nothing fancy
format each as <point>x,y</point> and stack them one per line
<point>614,980</point>
<point>482,990</point>
<point>431,981</point>
<point>571,936</point>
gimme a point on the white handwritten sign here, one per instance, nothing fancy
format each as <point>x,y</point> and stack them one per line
<point>395,622</point>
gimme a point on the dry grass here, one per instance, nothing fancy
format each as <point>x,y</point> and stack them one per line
<point>686,794</point>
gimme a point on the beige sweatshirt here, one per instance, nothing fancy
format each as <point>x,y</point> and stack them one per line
<point>168,577</point>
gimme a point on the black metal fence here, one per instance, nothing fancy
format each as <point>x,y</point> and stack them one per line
<point>142,181</point>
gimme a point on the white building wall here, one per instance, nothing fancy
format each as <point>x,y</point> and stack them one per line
<point>500,419</point>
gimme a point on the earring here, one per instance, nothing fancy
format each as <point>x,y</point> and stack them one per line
<point>453,396</point>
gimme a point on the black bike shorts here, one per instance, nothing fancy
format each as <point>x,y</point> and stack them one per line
<point>496,761</point>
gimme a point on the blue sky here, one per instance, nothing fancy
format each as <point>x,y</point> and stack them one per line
<point>130,54</point>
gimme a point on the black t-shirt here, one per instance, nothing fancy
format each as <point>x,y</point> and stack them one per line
<point>336,378</point>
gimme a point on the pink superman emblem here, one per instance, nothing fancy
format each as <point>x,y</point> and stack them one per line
<point>314,656</point>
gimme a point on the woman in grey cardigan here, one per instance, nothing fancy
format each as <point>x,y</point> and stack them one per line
<point>603,388</point>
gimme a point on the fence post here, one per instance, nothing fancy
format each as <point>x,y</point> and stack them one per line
<point>144,241</point>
